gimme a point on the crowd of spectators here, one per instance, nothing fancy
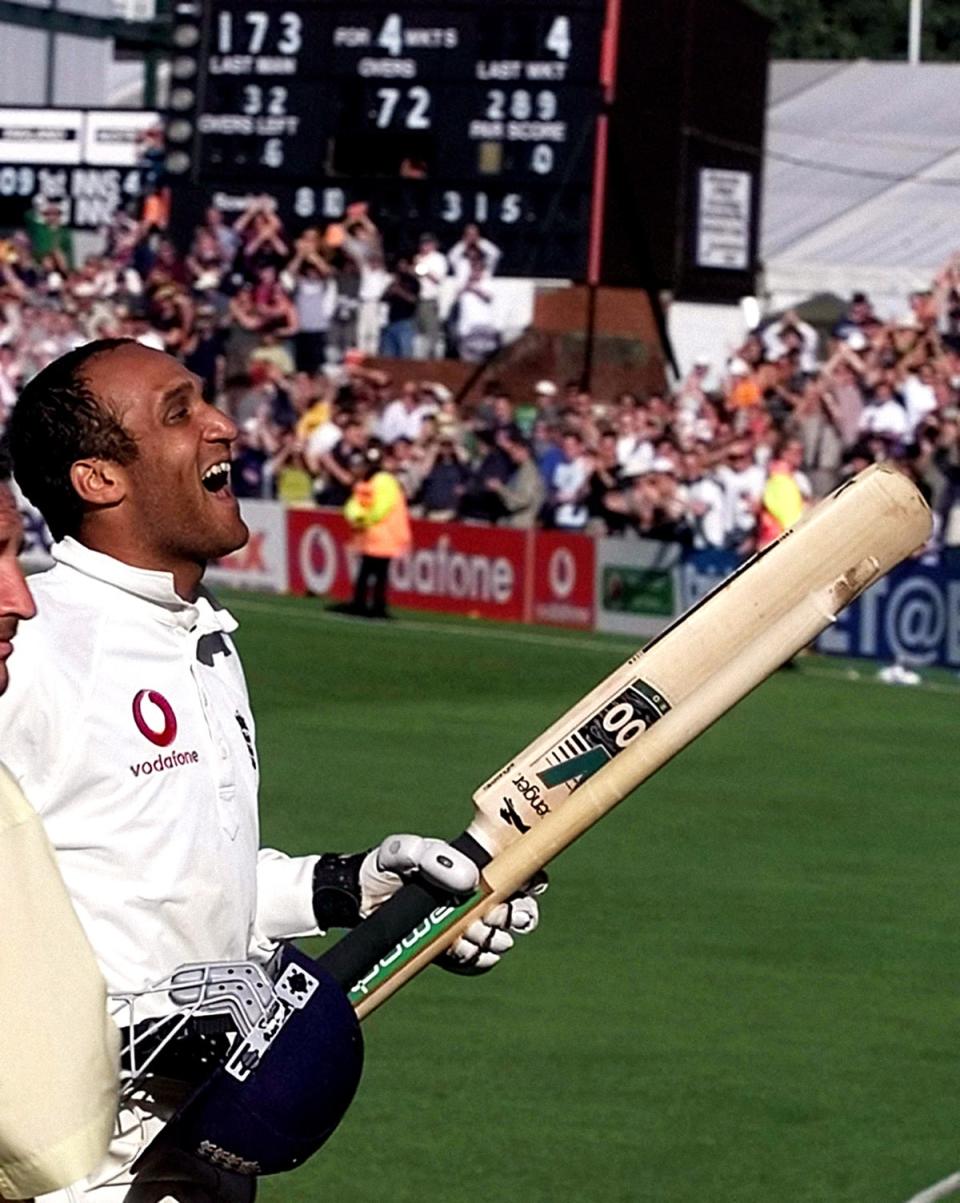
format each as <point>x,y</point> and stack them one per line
<point>282,329</point>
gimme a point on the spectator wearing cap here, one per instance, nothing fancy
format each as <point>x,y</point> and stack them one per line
<point>377,513</point>
<point>430,265</point>
<point>543,406</point>
<point>653,502</point>
<point>522,495</point>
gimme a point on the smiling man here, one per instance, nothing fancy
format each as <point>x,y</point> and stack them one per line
<point>130,728</point>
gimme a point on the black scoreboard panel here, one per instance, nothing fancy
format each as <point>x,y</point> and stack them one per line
<point>435,115</point>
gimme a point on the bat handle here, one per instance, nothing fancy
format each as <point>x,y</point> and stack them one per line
<point>360,949</point>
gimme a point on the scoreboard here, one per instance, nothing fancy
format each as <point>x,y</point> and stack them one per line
<point>434,115</point>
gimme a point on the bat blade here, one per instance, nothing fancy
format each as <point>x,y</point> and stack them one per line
<point>641,715</point>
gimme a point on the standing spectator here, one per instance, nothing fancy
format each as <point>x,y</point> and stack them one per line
<point>313,286</point>
<point>203,351</point>
<point>430,266</point>
<point>919,394</point>
<point>706,503</point>
<point>570,483</point>
<point>884,414</point>
<point>605,479</point>
<point>50,239</point>
<point>374,279</point>
<point>206,263</point>
<point>261,237</point>
<point>470,244</point>
<point>403,417</point>
<point>788,334</point>
<point>401,296</point>
<point>743,482</point>
<point>377,512</point>
<point>785,494</point>
<point>331,465</point>
<point>523,494</point>
<point>816,422</point>
<point>445,479</point>
<point>858,313</point>
<point>405,466</point>
<point>477,337</point>
<point>224,235</point>
<point>842,377</point>
<point>634,446</point>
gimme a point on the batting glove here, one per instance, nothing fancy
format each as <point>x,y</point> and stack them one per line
<point>347,887</point>
<point>399,856</point>
<point>486,940</point>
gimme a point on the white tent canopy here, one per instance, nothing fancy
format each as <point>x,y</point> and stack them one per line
<point>862,179</point>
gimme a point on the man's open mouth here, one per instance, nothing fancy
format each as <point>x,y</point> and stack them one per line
<point>216,477</point>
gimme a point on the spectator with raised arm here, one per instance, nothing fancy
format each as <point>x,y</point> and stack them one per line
<point>401,296</point>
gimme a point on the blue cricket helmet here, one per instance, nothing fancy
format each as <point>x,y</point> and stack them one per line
<point>284,1087</point>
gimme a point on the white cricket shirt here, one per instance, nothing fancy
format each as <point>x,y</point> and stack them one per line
<point>128,725</point>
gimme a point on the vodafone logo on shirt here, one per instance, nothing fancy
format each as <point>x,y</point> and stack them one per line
<point>162,732</point>
<point>157,722</point>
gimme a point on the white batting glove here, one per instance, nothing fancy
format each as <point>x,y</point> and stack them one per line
<point>383,869</point>
<point>486,940</point>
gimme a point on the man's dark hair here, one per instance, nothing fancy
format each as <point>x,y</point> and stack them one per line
<point>58,420</point>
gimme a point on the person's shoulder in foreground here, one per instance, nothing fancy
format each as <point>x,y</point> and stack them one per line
<point>57,1107</point>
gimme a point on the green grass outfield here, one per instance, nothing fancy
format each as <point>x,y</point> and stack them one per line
<point>746,985</point>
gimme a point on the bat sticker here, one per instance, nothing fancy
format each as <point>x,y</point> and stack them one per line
<point>612,728</point>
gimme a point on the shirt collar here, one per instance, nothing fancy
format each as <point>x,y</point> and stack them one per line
<point>157,588</point>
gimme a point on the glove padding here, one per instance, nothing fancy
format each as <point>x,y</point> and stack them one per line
<point>383,869</point>
<point>486,940</point>
<point>382,873</point>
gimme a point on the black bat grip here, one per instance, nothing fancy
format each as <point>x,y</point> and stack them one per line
<point>360,949</point>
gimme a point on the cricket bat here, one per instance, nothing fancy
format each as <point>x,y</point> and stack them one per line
<point>642,715</point>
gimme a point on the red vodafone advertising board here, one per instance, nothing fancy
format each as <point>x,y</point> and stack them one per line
<point>473,570</point>
<point>564,569</point>
<point>317,553</point>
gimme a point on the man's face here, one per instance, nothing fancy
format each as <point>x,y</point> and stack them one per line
<point>180,508</point>
<point>15,599</point>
